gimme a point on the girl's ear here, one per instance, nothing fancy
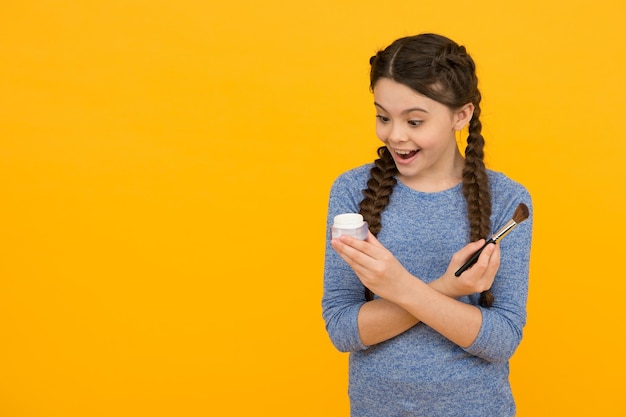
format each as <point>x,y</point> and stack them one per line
<point>463,115</point>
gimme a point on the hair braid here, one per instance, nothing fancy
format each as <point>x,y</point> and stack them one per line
<point>376,195</point>
<point>476,188</point>
<point>379,189</point>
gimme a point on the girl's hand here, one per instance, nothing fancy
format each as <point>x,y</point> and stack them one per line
<point>476,279</point>
<point>375,266</point>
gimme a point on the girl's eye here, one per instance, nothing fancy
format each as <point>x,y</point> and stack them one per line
<point>415,123</point>
<point>382,118</point>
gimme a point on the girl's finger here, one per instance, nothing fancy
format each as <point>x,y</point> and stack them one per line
<point>494,260</point>
<point>483,259</point>
<point>351,254</point>
<point>372,239</point>
<point>370,247</point>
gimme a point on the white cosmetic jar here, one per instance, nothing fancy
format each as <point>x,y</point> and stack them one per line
<point>350,224</point>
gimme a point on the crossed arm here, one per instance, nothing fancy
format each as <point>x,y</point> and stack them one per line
<point>405,301</point>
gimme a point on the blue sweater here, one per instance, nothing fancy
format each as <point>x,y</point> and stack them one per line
<point>419,372</point>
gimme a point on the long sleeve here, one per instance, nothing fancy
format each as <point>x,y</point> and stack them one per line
<point>501,331</point>
<point>343,292</point>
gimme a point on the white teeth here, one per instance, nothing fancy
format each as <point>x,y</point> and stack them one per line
<point>399,152</point>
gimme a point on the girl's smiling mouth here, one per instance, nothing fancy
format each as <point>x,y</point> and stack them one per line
<point>406,154</point>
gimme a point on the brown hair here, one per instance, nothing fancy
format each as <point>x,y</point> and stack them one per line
<point>440,69</point>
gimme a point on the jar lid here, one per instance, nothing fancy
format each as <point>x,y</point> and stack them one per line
<point>348,220</point>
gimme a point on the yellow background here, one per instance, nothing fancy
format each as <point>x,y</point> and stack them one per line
<point>164,173</point>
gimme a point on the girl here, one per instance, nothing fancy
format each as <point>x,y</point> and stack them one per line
<point>424,342</point>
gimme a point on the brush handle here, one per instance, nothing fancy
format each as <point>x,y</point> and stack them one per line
<point>471,261</point>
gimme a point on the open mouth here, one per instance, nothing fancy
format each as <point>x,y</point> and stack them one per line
<point>402,154</point>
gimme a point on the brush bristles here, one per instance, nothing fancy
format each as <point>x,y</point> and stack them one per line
<point>521,213</point>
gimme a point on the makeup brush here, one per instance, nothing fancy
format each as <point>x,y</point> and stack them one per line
<point>521,214</point>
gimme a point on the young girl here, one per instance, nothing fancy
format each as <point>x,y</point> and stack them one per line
<point>424,342</point>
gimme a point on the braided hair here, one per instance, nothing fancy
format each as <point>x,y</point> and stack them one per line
<point>440,69</point>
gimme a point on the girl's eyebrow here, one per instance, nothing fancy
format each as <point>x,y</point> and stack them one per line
<point>405,111</point>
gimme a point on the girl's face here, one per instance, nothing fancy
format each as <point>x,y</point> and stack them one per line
<point>420,134</point>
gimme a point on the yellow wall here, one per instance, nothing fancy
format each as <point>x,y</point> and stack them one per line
<point>164,169</point>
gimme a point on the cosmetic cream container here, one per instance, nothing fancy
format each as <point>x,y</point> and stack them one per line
<point>351,224</point>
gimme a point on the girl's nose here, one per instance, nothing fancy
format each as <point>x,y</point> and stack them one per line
<point>398,134</point>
